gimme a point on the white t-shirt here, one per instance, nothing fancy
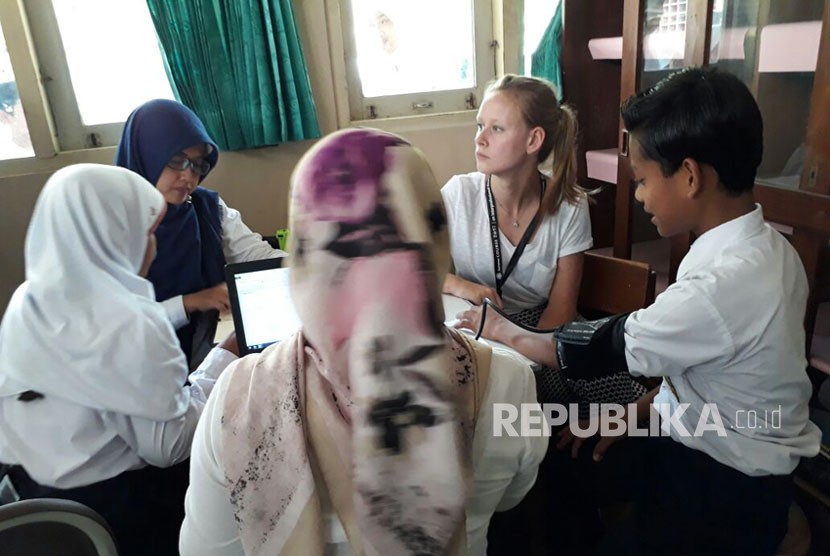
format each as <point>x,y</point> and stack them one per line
<point>504,469</point>
<point>730,332</point>
<point>565,233</point>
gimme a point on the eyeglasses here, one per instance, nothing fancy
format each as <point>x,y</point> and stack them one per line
<point>201,167</point>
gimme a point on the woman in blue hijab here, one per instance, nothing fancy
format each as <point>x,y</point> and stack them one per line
<point>165,142</point>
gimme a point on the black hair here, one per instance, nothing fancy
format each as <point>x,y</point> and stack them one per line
<point>703,114</point>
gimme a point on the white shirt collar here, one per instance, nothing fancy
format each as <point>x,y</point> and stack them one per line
<point>720,237</point>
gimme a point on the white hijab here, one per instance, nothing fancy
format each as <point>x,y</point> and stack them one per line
<point>84,327</point>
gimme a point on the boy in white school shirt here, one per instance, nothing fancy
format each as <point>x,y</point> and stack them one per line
<point>727,337</point>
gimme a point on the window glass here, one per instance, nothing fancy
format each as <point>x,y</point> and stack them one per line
<point>664,43</point>
<point>773,47</point>
<point>404,58</point>
<point>14,133</point>
<point>113,57</point>
<point>410,47</point>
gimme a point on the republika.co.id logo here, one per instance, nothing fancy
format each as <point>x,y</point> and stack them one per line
<point>533,419</point>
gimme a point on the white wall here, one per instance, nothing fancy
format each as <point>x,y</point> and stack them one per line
<point>256,181</point>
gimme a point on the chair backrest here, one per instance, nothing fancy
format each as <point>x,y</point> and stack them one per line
<point>47,526</point>
<point>611,286</point>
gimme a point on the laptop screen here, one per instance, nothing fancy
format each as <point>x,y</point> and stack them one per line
<point>261,304</point>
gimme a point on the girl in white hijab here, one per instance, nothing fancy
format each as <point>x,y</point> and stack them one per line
<point>365,431</point>
<point>92,379</point>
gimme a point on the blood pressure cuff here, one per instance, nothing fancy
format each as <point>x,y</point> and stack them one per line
<point>592,349</point>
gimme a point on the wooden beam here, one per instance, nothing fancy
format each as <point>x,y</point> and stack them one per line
<point>815,175</point>
<point>631,68</point>
<point>698,32</point>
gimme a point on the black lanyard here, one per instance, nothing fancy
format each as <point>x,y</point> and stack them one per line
<point>502,275</point>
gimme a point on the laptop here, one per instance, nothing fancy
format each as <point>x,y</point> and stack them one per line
<point>261,304</point>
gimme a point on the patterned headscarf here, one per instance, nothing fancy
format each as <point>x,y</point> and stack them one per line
<point>374,402</point>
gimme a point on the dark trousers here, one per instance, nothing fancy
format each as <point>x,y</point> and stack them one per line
<point>144,508</point>
<point>668,500</point>
<point>560,513</point>
<point>686,503</point>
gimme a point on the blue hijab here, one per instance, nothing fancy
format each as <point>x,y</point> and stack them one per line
<point>189,238</point>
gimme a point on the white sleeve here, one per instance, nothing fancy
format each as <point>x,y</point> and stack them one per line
<point>451,193</point>
<point>680,330</point>
<point>533,448</point>
<point>459,222</point>
<point>507,466</point>
<point>166,443</point>
<point>204,378</point>
<point>209,527</point>
<point>576,232</point>
<point>175,311</point>
<point>239,243</point>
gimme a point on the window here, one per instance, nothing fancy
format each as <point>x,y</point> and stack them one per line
<point>673,17</point>
<point>98,59</point>
<point>80,68</point>
<point>664,42</point>
<point>411,58</point>
<point>14,133</point>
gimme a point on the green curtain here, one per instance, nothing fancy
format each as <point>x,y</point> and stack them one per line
<point>239,65</point>
<point>545,60</point>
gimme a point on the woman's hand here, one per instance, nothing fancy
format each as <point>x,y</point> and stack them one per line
<point>472,292</point>
<point>477,293</point>
<point>211,298</point>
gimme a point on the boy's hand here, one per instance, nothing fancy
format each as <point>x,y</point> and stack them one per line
<point>642,410</point>
<point>567,437</point>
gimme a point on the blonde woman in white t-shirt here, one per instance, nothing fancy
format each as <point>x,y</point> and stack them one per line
<point>522,128</point>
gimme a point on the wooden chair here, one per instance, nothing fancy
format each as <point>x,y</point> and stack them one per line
<point>611,286</point>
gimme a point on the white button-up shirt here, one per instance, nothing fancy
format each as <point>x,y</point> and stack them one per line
<point>730,332</point>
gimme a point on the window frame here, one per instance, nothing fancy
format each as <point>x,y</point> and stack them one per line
<point>31,33</point>
<point>71,132</point>
<point>20,45</point>
<point>321,29</point>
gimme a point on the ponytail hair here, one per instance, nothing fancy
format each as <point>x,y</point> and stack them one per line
<point>562,162</point>
<point>539,107</point>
